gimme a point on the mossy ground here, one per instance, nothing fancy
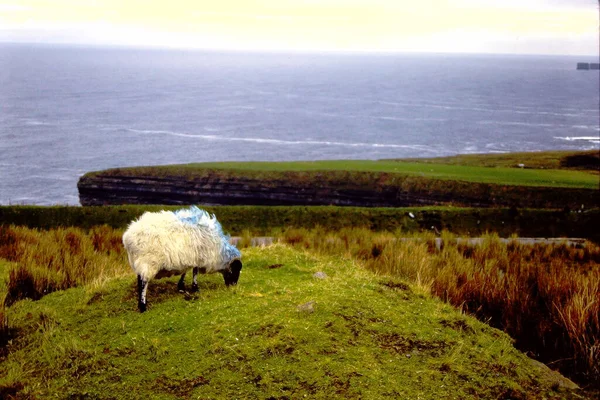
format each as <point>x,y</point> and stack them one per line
<point>281,333</point>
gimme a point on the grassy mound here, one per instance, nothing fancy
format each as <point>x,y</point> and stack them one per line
<point>281,333</point>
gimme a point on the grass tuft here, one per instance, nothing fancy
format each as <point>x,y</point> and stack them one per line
<point>544,296</point>
<point>58,259</point>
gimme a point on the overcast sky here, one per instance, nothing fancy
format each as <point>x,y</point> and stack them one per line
<point>474,26</point>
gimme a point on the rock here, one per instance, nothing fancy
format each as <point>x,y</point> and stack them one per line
<point>583,66</point>
<point>320,275</point>
<point>307,307</point>
<point>337,188</point>
<point>555,378</point>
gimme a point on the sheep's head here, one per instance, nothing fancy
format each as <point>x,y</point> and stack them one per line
<point>232,273</point>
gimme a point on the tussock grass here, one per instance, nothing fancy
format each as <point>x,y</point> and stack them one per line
<point>544,296</point>
<point>5,333</point>
<point>46,261</point>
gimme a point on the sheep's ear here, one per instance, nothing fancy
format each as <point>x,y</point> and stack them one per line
<point>235,266</point>
<point>232,274</point>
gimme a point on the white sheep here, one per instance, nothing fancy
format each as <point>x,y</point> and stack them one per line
<point>166,243</point>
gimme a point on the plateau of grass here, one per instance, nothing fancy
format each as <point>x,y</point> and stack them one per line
<point>582,160</point>
<point>561,178</point>
<point>281,333</point>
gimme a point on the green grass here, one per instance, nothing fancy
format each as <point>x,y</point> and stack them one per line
<point>545,295</point>
<point>388,183</point>
<point>583,160</point>
<point>500,175</point>
<point>366,336</point>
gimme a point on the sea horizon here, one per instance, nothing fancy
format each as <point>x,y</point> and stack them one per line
<point>67,110</point>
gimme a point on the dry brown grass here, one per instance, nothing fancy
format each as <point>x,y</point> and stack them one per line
<point>5,331</point>
<point>544,296</point>
<point>57,259</point>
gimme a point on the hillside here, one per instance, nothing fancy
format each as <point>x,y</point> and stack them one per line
<point>281,333</point>
<point>362,183</point>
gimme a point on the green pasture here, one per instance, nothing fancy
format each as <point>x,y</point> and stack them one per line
<point>497,175</point>
<point>281,333</point>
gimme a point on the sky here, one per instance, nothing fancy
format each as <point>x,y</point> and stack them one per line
<point>567,27</point>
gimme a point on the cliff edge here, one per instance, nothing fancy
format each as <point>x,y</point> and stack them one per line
<point>144,185</point>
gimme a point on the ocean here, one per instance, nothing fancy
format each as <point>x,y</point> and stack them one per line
<point>68,110</point>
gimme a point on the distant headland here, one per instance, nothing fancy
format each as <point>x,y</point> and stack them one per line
<point>587,66</point>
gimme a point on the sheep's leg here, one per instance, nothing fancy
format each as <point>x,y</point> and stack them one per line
<point>181,283</point>
<point>142,287</point>
<point>195,279</point>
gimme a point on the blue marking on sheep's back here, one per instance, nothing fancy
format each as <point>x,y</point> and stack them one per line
<point>229,252</point>
<point>199,217</point>
<point>194,216</point>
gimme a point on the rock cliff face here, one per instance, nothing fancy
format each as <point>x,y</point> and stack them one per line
<point>236,191</point>
<point>314,188</point>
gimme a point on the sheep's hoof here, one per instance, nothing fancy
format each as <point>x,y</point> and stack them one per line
<point>142,306</point>
<point>181,287</point>
<point>194,288</point>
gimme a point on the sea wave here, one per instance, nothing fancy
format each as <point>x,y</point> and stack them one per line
<point>545,125</point>
<point>587,127</point>
<point>591,139</point>
<point>35,122</point>
<point>282,142</point>
<point>482,109</point>
<point>464,105</point>
<point>515,123</point>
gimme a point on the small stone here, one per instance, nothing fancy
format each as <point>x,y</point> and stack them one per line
<point>320,275</point>
<point>307,307</point>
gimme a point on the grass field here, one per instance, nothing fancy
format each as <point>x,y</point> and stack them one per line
<point>281,333</point>
<point>366,183</point>
<point>497,175</point>
<point>579,160</point>
<point>390,318</point>
<point>543,295</point>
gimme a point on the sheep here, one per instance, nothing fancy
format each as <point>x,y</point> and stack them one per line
<point>167,243</point>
